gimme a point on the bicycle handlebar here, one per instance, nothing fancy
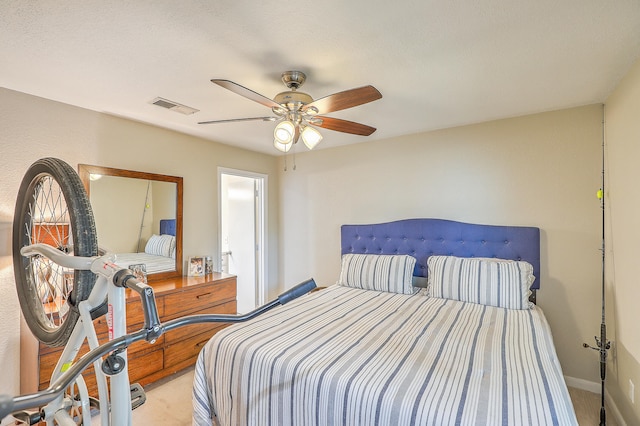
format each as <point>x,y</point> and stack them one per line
<point>59,257</point>
<point>297,291</point>
<point>9,404</point>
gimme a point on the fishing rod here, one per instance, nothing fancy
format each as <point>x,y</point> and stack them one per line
<point>602,344</point>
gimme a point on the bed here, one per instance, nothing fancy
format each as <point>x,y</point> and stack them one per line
<point>431,322</point>
<point>159,254</point>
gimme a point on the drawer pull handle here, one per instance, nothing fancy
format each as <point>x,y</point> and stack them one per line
<point>202,295</point>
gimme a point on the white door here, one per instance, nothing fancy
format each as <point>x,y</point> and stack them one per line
<point>241,202</point>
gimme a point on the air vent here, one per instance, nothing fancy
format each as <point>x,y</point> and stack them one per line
<point>174,106</point>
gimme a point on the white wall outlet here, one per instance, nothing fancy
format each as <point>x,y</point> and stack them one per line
<point>632,391</point>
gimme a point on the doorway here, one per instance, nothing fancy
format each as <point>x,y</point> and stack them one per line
<point>241,238</point>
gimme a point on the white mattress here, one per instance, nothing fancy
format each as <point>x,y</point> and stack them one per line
<point>344,356</point>
<point>153,264</point>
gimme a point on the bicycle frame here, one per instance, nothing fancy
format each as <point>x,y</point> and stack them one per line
<point>115,405</point>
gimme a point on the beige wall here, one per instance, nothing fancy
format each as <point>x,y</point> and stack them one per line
<point>32,128</point>
<point>541,170</point>
<point>622,236</point>
<point>126,231</point>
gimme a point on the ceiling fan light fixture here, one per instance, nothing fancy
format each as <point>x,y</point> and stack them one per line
<point>311,110</point>
<point>299,114</point>
<point>311,137</point>
<point>283,147</point>
<point>284,132</point>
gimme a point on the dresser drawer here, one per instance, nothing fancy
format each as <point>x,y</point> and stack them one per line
<point>46,366</point>
<point>141,355</point>
<point>198,298</point>
<point>191,330</point>
<point>145,365</point>
<point>188,348</point>
<point>49,360</point>
<point>139,367</point>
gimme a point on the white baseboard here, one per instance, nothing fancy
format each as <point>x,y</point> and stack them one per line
<point>595,388</point>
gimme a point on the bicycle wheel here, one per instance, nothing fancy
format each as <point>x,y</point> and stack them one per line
<point>52,208</point>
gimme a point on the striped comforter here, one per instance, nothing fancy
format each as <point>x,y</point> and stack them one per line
<point>345,356</point>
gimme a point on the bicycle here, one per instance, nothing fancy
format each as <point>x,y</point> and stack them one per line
<point>63,285</point>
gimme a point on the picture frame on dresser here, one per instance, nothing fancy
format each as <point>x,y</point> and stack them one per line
<point>208,265</point>
<point>140,271</point>
<point>196,266</point>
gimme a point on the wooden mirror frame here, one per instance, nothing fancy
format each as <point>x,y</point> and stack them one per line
<point>84,170</point>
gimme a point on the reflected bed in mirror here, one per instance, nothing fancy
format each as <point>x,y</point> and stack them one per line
<point>138,217</point>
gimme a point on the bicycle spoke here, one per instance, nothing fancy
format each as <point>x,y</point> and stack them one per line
<point>49,224</point>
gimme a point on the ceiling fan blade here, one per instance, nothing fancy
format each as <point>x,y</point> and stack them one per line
<point>344,126</point>
<point>344,100</point>
<point>247,93</point>
<point>232,120</point>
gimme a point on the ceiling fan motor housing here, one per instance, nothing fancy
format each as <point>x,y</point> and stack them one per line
<point>292,99</point>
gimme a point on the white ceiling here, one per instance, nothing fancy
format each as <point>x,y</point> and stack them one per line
<point>437,64</point>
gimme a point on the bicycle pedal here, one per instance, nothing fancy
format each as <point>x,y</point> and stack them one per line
<point>138,396</point>
<point>26,418</point>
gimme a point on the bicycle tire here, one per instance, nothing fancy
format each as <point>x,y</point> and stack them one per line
<point>52,207</point>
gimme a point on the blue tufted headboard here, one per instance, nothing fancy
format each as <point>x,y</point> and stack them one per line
<point>422,238</point>
<point>168,226</point>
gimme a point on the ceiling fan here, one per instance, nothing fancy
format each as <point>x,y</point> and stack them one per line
<point>298,113</point>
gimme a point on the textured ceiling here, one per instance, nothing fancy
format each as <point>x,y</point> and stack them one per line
<point>437,63</point>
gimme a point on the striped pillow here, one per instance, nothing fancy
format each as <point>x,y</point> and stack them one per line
<point>160,245</point>
<point>494,282</point>
<point>390,273</point>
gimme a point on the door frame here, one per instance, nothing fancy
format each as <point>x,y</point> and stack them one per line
<point>262,181</point>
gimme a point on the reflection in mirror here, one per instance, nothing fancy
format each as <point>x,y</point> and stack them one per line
<point>138,217</point>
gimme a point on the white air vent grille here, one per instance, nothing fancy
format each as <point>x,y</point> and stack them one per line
<point>174,106</point>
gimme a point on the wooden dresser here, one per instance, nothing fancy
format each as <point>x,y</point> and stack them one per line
<point>174,351</point>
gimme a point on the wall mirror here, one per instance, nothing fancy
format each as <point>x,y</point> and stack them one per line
<point>138,217</point>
